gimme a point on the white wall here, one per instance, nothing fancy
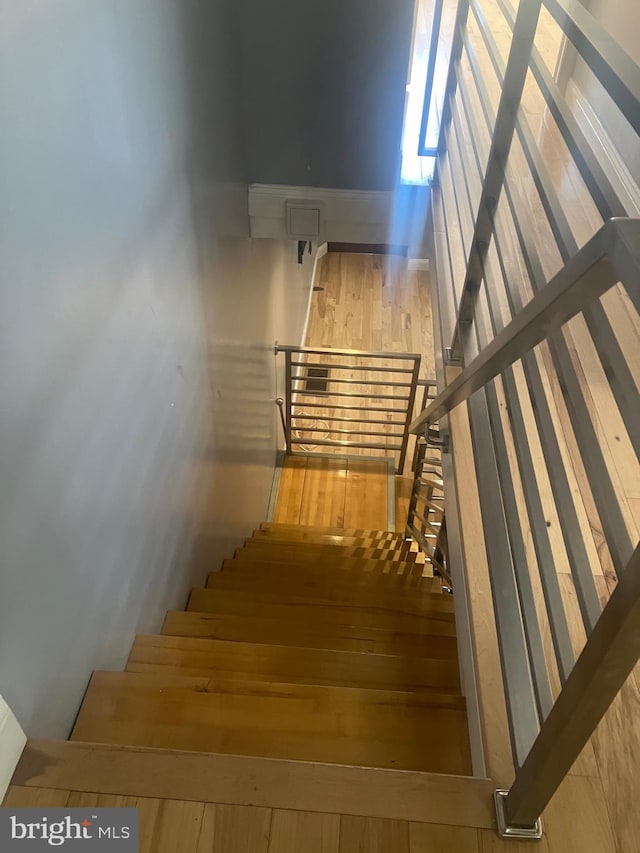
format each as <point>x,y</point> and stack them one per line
<point>137,429</point>
<point>621,20</point>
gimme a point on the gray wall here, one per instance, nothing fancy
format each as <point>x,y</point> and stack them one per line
<point>137,431</point>
<point>324,90</point>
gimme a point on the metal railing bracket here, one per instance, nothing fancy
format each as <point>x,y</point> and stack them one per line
<point>532,833</point>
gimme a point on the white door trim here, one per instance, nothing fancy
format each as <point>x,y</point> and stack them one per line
<point>12,742</point>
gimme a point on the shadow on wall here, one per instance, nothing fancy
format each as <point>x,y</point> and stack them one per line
<point>137,431</point>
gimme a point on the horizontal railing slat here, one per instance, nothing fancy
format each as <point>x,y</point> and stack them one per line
<point>370,368</point>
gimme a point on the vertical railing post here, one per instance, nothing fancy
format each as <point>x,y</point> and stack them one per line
<point>288,398</point>
<point>417,473</point>
<point>410,406</point>
<point>524,32</point>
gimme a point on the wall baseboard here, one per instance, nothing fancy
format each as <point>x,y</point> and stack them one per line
<point>350,216</point>
<point>12,743</point>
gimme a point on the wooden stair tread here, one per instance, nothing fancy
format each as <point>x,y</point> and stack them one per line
<point>316,538</point>
<point>290,664</point>
<point>316,698</point>
<point>312,549</point>
<point>165,774</point>
<point>416,577</point>
<point>407,616</point>
<point>323,590</point>
<point>279,527</point>
<point>331,724</point>
<point>304,562</point>
<point>336,573</point>
<point>439,638</point>
<point>368,569</point>
<point>387,593</point>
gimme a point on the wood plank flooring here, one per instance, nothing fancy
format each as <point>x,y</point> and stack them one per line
<point>372,302</point>
<point>333,492</point>
<point>369,302</point>
<point>168,826</point>
<point>200,826</point>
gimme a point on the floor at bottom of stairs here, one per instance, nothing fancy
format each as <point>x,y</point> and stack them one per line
<point>175,826</point>
<point>334,492</point>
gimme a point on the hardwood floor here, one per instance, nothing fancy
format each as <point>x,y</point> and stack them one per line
<point>372,302</point>
<point>368,302</point>
<point>333,492</point>
<point>169,826</point>
<point>200,826</point>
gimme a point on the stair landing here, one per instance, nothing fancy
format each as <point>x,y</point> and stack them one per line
<point>336,492</point>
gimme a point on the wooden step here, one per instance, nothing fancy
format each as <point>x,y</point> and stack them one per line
<point>396,549</point>
<point>301,589</point>
<point>303,560</point>
<point>316,538</point>
<point>335,572</point>
<point>330,548</point>
<point>438,639</point>
<point>283,576</point>
<point>139,772</point>
<point>410,616</point>
<point>272,527</point>
<point>414,580</point>
<point>306,723</point>
<point>289,664</point>
<point>342,588</point>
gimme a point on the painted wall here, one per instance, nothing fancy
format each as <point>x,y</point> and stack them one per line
<point>323,91</point>
<point>620,19</point>
<point>137,428</point>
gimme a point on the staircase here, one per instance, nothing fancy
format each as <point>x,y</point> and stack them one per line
<point>308,698</point>
<point>314,644</point>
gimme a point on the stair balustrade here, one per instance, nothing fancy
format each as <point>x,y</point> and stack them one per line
<point>533,281</point>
